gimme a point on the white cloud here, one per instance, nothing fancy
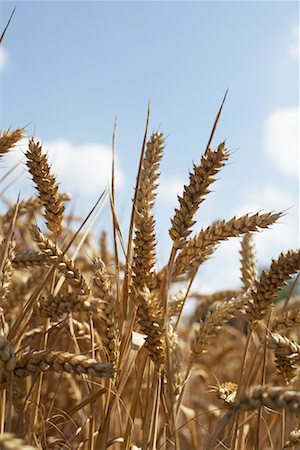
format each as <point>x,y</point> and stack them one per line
<point>80,169</point>
<point>169,188</point>
<point>222,271</point>
<point>293,49</point>
<point>281,139</point>
<point>282,235</point>
<point>83,169</point>
<point>269,197</point>
<point>3,58</point>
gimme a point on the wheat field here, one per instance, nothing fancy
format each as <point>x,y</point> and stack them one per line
<point>97,350</point>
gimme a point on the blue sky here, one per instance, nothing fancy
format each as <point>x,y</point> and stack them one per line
<point>68,68</point>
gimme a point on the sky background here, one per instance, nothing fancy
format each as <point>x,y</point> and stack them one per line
<point>69,68</point>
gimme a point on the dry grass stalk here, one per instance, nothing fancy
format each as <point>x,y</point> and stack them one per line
<point>46,185</point>
<point>248,262</point>
<point>32,363</point>
<point>270,283</point>
<point>7,254</point>
<point>202,245</point>
<point>194,193</point>
<point>105,255</point>
<point>8,139</point>
<point>55,256</point>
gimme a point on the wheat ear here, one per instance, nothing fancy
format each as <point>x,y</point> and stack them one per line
<point>9,442</point>
<point>151,322</point>
<point>286,352</point>
<point>267,287</point>
<point>289,319</point>
<point>194,193</point>
<point>57,305</point>
<point>34,362</point>
<point>248,261</point>
<point>109,332</point>
<point>275,397</point>
<point>55,256</point>
<point>8,139</point>
<point>144,241</point>
<point>24,259</point>
<point>46,185</point>
<point>202,245</point>
<point>213,322</point>
<point>293,438</point>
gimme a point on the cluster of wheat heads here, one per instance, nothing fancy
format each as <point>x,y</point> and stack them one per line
<point>95,352</point>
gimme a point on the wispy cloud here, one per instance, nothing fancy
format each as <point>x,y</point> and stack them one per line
<point>169,188</point>
<point>222,271</point>
<point>282,235</point>
<point>83,170</point>
<point>3,58</point>
<point>281,139</point>
<point>293,49</point>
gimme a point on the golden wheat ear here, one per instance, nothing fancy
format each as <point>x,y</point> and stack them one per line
<point>46,185</point>
<point>110,335</point>
<point>268,286</point>
<point>199,248</point>
<point>248,261</point>
<point>194,193</point>
<point>9,138</point>
<point>286,352</point>
<point>144,256</point>
<point>289,319</point>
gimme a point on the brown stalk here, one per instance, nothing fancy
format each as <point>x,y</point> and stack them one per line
<point>7,25</point>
